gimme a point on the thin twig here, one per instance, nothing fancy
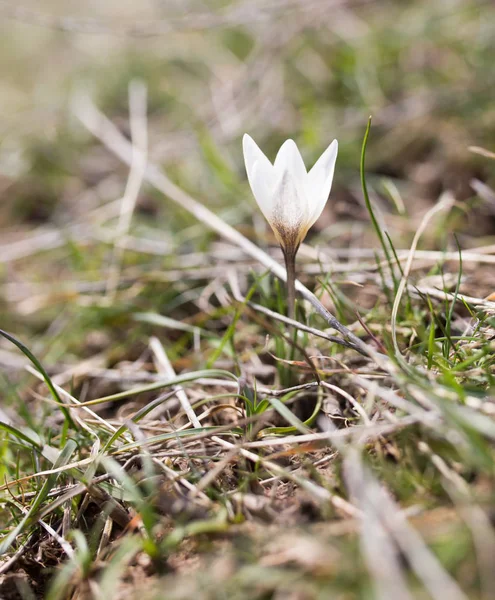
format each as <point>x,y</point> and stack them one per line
<point>236,292</point>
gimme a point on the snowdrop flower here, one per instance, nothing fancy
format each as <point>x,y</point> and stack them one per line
<point>290,197</point>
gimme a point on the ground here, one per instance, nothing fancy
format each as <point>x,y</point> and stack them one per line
<point>165,432</point>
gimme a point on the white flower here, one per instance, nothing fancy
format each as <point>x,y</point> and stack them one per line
<point>290,198</point>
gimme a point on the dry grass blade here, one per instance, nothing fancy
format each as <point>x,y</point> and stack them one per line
<point>378,546</point>
<point>319,493</point>
<point>443,204</point>
<point>165,368</point>
<point>137,171</point>
<point>474,516</point>
<point>436,580</point>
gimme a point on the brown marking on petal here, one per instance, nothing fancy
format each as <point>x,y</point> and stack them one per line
<point>289,237</point>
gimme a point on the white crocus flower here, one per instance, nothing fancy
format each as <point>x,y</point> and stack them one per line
<point>290,197</point>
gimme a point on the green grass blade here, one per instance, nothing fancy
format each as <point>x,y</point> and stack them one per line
<point>27,352</point>
<point>31,515</point>
<point>20,435</point>
<point>369,207</point>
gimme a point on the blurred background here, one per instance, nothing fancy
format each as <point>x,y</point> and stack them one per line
<point>94,290</point>
<point>313,70</point>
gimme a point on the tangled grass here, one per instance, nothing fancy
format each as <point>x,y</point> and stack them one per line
<point>165,429</point>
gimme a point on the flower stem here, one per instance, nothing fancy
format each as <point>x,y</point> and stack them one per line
<point>290,265</point>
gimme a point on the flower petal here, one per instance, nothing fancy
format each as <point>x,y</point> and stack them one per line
<point>261,185</point>
<point>288,215</point>
<point>289,159</point>
<point>320,179</point>
<point>260,173</point>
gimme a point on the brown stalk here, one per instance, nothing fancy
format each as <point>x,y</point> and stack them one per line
<point>290,267</point>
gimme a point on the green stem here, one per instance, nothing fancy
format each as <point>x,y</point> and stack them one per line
<point>290,265</point>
